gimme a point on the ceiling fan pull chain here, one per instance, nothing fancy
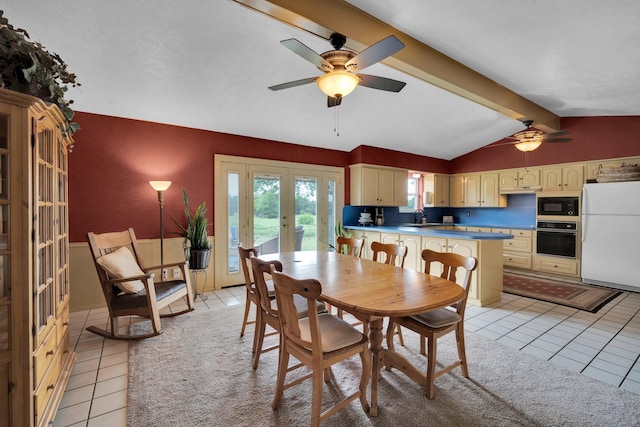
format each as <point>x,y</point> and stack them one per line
<point>336,121</point>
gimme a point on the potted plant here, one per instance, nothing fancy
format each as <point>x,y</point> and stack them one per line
<point>197,247</point>
<point>27,67</point>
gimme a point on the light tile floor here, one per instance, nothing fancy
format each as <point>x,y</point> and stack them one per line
<point>604,345</point>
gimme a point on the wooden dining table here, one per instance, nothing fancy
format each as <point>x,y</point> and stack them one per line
<point>371,291</point>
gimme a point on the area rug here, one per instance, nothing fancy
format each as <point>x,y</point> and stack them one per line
<point>576,295</point>
<point>198,373</point>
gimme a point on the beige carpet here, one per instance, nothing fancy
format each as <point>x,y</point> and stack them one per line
<point>576,295</point>
<point>198,373</point>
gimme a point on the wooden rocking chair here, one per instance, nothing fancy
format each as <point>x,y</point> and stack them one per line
<point>129,288</point>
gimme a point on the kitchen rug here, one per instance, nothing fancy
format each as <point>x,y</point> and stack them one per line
<point>576,295</point>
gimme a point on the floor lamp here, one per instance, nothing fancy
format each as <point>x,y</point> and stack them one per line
<point>161,187</point>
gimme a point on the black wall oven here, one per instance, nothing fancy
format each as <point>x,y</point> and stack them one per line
<point>558,206</point>
<point>558,238</point>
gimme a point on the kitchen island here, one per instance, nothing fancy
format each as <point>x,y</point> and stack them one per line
<point>486,281</point>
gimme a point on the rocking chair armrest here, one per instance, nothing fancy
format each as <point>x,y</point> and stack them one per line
<point>142,278</point>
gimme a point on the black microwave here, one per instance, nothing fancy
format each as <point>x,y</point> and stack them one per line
<point>558,206</point>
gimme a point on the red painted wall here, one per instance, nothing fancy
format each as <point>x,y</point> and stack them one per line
<point>114,159</point>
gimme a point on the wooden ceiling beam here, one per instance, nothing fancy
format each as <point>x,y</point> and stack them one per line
<point>324,17</point>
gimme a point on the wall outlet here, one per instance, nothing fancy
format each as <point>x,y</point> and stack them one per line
<point>164,274</point>
<point>176,273</point>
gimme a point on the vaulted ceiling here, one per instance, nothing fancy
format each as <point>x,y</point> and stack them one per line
<point>472,69</point>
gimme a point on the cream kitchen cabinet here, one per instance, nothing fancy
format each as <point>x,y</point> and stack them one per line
<point>436,187</point>
<point>594,167</point>
<point>517,252</point>
<point>456,191</point>
<point>476,190</point>
<point>35,355</point>
<point>563,178</point>
<point>557,265</point>
<point>378,186</point>
<point>519,179</point>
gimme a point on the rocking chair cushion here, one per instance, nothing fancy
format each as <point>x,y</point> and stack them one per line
<point>119,264</point>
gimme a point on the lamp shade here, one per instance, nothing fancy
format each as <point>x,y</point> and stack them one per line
<point>160,185</point>
<point>338,84</point>
<point>529,145</point>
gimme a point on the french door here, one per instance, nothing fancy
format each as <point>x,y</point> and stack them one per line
<point>274,207</point>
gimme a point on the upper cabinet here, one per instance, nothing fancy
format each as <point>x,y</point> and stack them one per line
<point>563,178</point>
<point>436,188</point>
<point>378,186</point>
<point>520,179</point>
<point>594,167</point>
<point>476,190</point>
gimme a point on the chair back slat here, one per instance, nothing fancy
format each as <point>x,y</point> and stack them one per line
<point>392,253</point>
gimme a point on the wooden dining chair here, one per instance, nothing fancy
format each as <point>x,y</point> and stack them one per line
<point>392,253</point>
<point>130,289</point>
<point>268,314</point>
<point>251,294</point>
<point>318,341</point>
<point>434,324</point>
<point>349,246</point>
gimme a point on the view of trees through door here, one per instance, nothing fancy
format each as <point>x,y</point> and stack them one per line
<point>274,207</point>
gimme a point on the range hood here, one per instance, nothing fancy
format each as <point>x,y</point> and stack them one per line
<point>521,190</point>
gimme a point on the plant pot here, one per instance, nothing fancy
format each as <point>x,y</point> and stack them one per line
<point>199,259</point>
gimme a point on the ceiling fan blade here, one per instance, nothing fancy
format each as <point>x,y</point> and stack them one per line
<point>333,101</point>
<point>556,140</point>
<point>375,53</point>
<point>558,133</point>
<point>294,83</point>
<point>299,48</point>
<point>382,83</point>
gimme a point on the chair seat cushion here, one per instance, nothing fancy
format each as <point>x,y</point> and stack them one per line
<point>301,306</point>
<point>335,332</point>
<point>438,318</point>
<point>139,300</point>
<point>120,264</point>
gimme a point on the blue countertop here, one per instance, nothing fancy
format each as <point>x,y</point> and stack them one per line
<point>429,231</point>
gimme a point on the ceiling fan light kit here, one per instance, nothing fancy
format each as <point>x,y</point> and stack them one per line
<point>338,84</point>
<point>529,145</point>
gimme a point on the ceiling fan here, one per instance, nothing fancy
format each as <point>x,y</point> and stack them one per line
<point>341,66</point>
<point>530,138</point>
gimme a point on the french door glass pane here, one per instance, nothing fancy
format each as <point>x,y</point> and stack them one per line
<point>266,213</point>
<point>306,200</point>
<point>331,212</point>
<point>233,194</point>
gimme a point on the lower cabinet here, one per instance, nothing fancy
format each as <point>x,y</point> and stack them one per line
<point>556,265</point>
<point>413,260</point>
<point>486,280</point>
<point>368,237</point>
<point>517,252</point>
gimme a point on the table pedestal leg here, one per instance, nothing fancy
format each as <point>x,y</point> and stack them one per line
<point>375,343</point>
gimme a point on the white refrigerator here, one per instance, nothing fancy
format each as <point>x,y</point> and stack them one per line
<point>611,234</point>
